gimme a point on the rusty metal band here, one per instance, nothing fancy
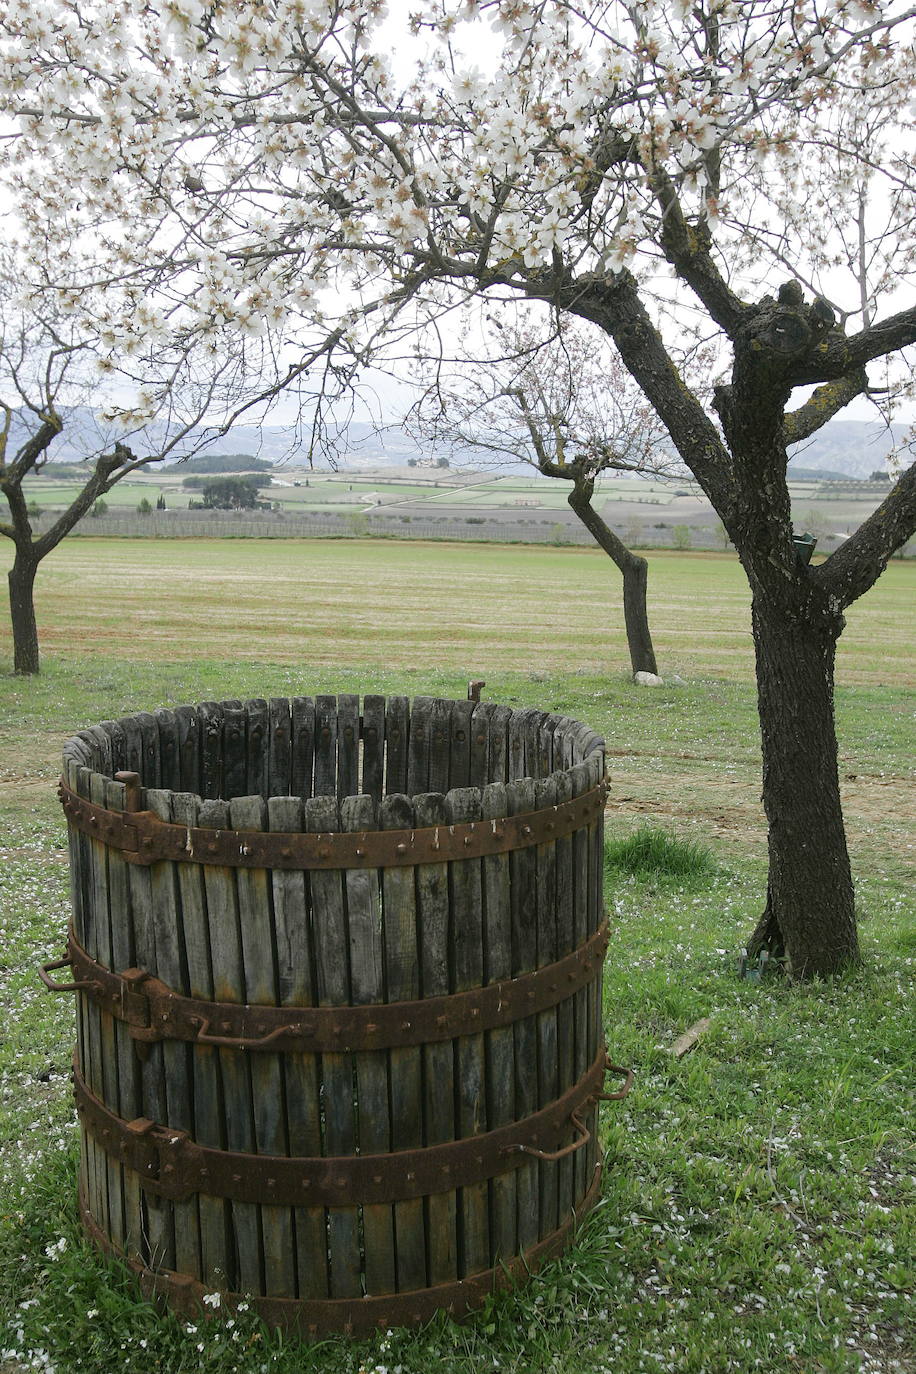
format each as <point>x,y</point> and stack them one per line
<point>152,1011</point>
<point>171,1165</point>
<point>142,838</point>
<point>311,1317</point>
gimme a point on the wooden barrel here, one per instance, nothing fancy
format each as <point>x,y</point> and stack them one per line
<point>338,967</point>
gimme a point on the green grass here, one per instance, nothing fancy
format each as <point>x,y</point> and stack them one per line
<point>759,1201</point>
<point>657,856</point>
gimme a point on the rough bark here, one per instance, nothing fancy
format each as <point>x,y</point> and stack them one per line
<point>810,912</point>
<point>22,613</point>
<point>635,573</point>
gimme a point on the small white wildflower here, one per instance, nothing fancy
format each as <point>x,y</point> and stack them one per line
<point>211,1299</point>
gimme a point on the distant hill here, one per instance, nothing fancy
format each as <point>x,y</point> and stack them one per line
<point>841,450</point>
<point>847,448</point>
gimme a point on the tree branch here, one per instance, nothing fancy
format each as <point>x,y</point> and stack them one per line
<point>614,304</point>
<point>686,246</point>
<point>859,562</point>
<point>841,355</point>
<point>826,401</point>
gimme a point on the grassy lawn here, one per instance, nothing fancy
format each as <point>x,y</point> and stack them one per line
<point>759,1194</point>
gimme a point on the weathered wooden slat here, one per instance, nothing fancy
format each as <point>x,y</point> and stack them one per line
<point>466,950</point>
<point>594,766</point>
<point>123,956</point>
<point>329,928</point>
<point>258,769</point>
<point>478,776</point>
<point>303,752</point>
<point>500,1044</point>
<point>156,1240</point>
<point>110,1169</point>
<point>209,1129</point>
<point>397,739</point>
<point>438,746</point>
<point>373,774</point>
<point>187,723</point>
<point>545,794</point>
<point>169,762</point>
<point>235,750</point>
<point>367,985</point>
<point>227,965</point>
<point>402,970</point>
<point>115,732</point>
<point>297,983</point>
<point>261,989</point>
<point>584,1004</point>
<point>566,1031</point>
<point>432,904</point>
<point>347,745</point>
<point>325,784</point>
<point>280,748</point>
<point>459,766</point>
<point>523,870</point>
<point>210,784</point>
<point>171,968</point>
<point>515,753</point>
<point>421,709</point>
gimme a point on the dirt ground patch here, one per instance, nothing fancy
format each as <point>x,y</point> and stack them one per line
<point>730,808</point>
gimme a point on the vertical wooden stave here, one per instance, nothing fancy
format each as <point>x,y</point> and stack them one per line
<point>439,1124</point>
<point>258,748</point>
<point>325,782</point>
<point>548,1083</point>
<point>566,1045</point>
<point>106,1062</point>
<point>460,741</point>
<point>402,979</point>
<point>347,745</point>
<point>171,968</point>
<point>329,928</point>
<point>397,742</point>
<point>367,986</point>
<point>297,982</point>
<point>238,1130</point>
<point>594,764</point>
<point>279,781</point>
<point>523,870</point>
<point>418,746</point>
<point>169,761</point>
<point>373,733</point>
<point>235,750</point>
<point>478,761</point>
<point>187,726</point>
<point>123,956</point>
<point>584,1002</point>
<point>466,959</point>
<point>210,781</point>
<point>302,711</point>
<point>255,909</point>
<point>438,731</point>
<point>209,1128</point>
<point>499,1044</point>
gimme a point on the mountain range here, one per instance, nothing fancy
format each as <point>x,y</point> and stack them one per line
<point>842,449</point>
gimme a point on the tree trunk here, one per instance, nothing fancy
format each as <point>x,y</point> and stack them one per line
<point>635,573</point>
<point>22,613</point>
<point>810,911</point>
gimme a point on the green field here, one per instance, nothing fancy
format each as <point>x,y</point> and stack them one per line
<point>824,507</point>
<point>759,1207</point>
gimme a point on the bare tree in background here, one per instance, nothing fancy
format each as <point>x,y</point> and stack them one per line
<point>565,405</point>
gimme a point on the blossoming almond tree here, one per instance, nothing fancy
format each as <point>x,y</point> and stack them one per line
<point>302,165</point>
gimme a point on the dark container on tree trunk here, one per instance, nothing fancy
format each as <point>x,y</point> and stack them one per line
<point>338,967</point>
